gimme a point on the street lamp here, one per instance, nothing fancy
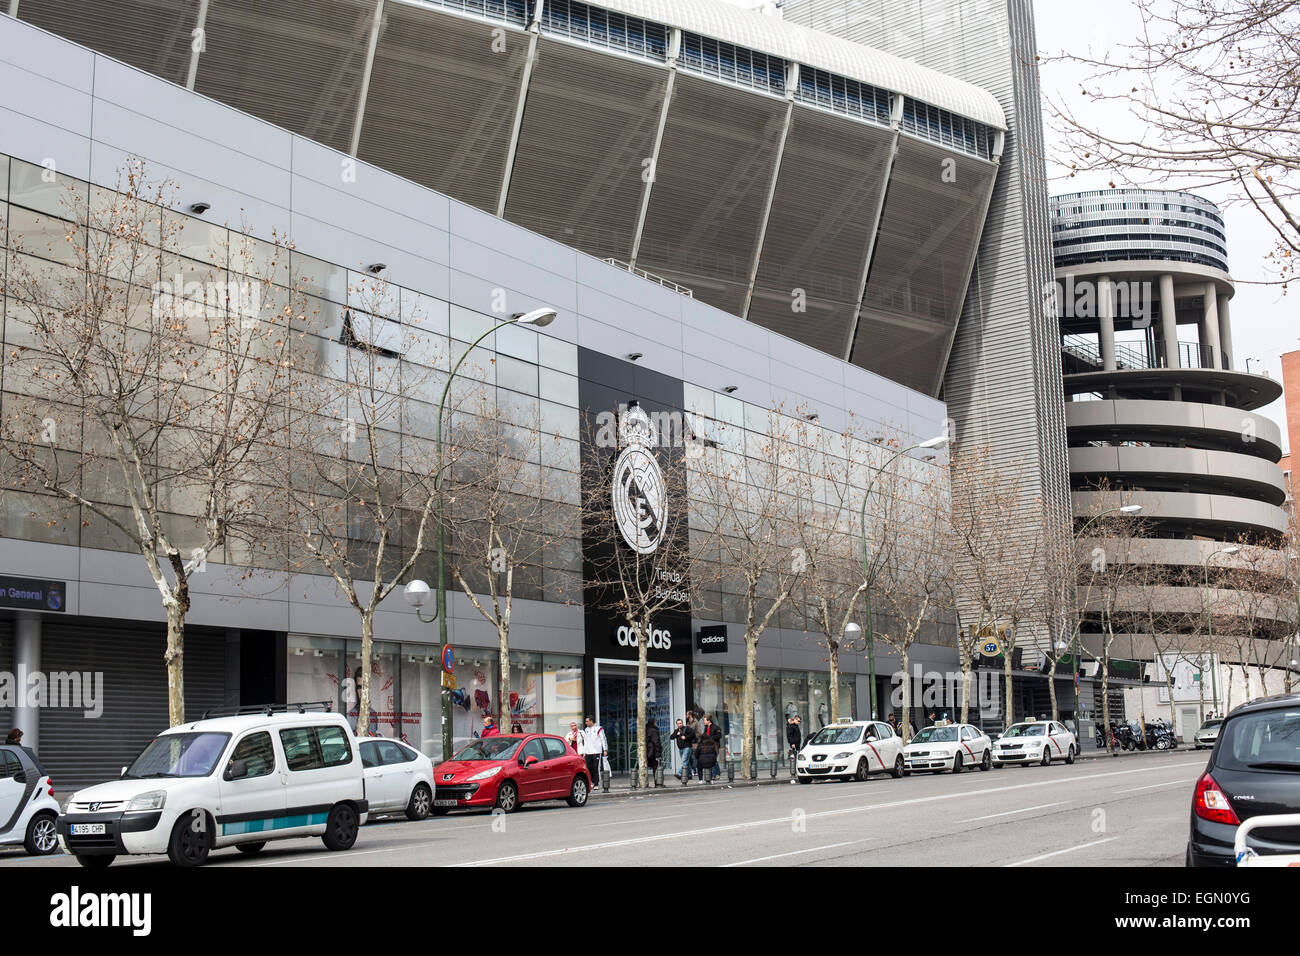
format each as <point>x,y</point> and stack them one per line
<point>417,591</point>
<point>1074,581</point>
<point>1209,627</point>
<point>935,442</point>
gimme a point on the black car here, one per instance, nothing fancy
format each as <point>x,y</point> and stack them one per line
<point>1254,769</point>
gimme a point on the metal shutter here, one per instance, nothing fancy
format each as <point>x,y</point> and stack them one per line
<point>6,667</point>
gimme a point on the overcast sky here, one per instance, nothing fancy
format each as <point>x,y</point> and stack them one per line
<point>1263,320</point>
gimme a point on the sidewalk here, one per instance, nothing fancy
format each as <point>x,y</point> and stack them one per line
<point>621,786</point>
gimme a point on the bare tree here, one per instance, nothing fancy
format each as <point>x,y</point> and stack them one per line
<point>152,384</point>
<point>502,515</point>
<point>1214,89</point>
<point>748,502</point>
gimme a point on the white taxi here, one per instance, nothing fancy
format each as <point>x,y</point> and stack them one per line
<point>850,750</point>
<point>1035,741</point>
<point>948,747</point>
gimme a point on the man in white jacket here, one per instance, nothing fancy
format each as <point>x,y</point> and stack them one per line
<point>594,749</point>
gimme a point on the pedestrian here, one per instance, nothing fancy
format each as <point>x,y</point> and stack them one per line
<point>516,728</point>
<point>654,749</point>
<point>931,718</point>
<point>792,735</point>
<point>694,725</point>
<point>575,738</point>
<point>706,754</point>
<point>685,737</point>
<point>14,737</point>
<point>490,728</point>
<point>712,732</point>
<point>595,747</point>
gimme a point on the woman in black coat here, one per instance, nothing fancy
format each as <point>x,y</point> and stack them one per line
<point>654,748</point>
<point>707,756</point>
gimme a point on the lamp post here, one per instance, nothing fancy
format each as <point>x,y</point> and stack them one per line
<point>1209,627</point>
<point>1074,581</point>
<point>866,561</point>
<point>417,591</point>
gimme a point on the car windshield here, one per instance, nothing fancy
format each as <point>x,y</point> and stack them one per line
<point>836,735</point>
<point>490,748</point>
<point>936,735</point>
<point>1024,730</point>
<point>1210,724</point>
<point>179,755</point>
<point>1264,740</point>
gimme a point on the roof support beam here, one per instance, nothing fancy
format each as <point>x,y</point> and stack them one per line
<point>534,32</point>
<point>198,41</point>
<point>650,172</point>
<point>896,123</point>
<point>791,84</point>
<point>375,27</point>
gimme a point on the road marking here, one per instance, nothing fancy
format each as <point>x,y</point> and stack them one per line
<point>624,823</point>
<point>1069,849</point>
<point>785,820</point>
<point>1007,813</point>
<point>1152,786</point>
<point>777,856</point>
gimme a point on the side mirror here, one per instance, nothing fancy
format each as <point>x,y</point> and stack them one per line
<point>871,739</point>
<point>528,761</point>
<point>123,773</point>
<point>237,770</point>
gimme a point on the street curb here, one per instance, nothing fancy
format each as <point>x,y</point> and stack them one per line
<point>669,788</point>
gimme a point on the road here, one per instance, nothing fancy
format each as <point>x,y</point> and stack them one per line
<point>1095,813</point>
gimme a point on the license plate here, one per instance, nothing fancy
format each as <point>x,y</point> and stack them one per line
<point>87,829</point>
<point>445,803</point>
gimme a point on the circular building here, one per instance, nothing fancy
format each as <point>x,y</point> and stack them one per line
<point>1159,415</point>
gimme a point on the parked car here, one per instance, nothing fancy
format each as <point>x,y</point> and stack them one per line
<point>1253,771</point>
<point>28,810</point>
<point>1208,733</point>
<point>949,747</point>
<point>1035,741</point>
<point>226,781</point>
<point>850,750</point>
<point>399,779</point>
<point>507,771</point>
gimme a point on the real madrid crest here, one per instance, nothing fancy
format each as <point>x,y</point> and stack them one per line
<point>639,493</point>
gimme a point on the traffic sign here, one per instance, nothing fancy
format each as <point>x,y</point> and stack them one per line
<point>449,681</point>
<point>448,659</point>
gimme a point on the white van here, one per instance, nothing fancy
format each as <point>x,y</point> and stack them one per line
<point>227,781</point>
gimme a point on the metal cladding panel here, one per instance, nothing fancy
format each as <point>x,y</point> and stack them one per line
<point>441,102</point>
<point>151,35</point>
<point>715,168</point>
<point>134,695</point>
<point>6,667</point>
<point>295,63</point>
<point>588,129</point>
<point>832,173</point>
<point>928,235</point>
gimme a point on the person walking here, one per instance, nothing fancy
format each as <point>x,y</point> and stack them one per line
<point>706,754</point>
<point>685,737</point>
<point>694,726</point>
<point>654,750</point>
<point>712,732</point>
<point>490,728</point>
<point>574,738</point>
<point>793,737</point>
<point>595,747</point>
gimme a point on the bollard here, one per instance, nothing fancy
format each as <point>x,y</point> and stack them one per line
<point>753,767</point>
<point>659,775</point>
<point>604,779</point>
<point>731,772</point>
<point>774,763</point>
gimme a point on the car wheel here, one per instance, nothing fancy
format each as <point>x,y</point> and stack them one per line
<point>188,846</point>
<point>1046,760</point>
<point>341,827</point>
<point>898,770</point>
<point>987,760</point>
<point>579,792</point>
<point>1069,757</point>
<point>42,840</point>
<point>251,848</point>
<point>507,797</point>
<point>956,762</point>
<point>863,771</point>
<point>420,804</point>
<point>96,862</point>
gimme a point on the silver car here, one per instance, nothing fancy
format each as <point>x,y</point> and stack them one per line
<point>1208,734</point>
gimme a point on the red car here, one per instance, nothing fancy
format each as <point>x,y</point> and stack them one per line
<point>507,770</point>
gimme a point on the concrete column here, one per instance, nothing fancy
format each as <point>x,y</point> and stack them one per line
<point>1106,322</point>
<point>1168,321</point>
<point>1210,327</point>
<point>27,661</point>
<point>1225,332</point>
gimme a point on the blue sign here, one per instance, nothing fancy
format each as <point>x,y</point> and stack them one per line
<point>448,659</point>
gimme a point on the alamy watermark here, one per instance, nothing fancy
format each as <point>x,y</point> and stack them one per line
<point>196,300</point>
<point>54,690</point>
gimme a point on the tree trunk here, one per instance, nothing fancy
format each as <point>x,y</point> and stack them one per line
<point>1105,701</point>
<point>906,723</point>
<point>503,678</point>
<point>1008,689</point>
<point>747,705</point>
<point>965,688</point>
<point>1051,688</point>
<point>363,692</point>
<point>835,683</point>
<point>174,658</point>
<point>642,650</point>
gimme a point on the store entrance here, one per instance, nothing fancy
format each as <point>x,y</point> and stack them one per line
<point>616,695</point>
